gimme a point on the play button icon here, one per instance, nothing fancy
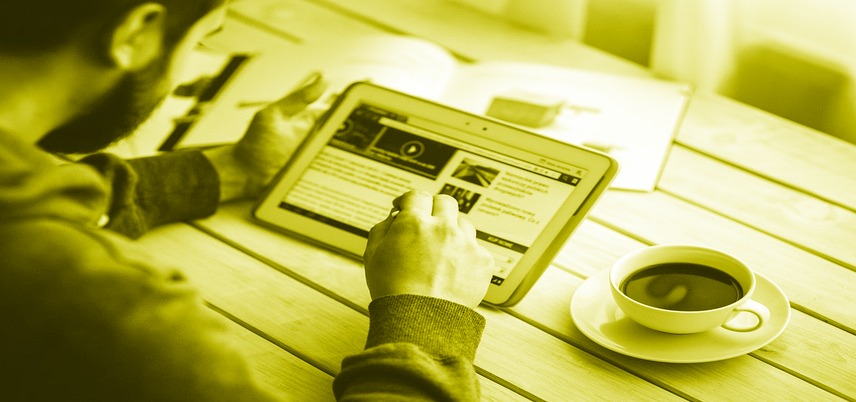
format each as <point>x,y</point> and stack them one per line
<point>412,149</point>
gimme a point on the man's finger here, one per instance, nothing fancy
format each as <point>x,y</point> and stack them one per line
<point>383,226</point>
<point>467,226</point>
<point>307,92</point>
<point>415,202</point>
<point>445,206</point>
<point>377,233</point>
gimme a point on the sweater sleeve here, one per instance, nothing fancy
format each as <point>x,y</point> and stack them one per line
<point>152,191</point>
<point>418,348</point>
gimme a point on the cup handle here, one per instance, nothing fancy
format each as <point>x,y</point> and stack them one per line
<point>761,313</point>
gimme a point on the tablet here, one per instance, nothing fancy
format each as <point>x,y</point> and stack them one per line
<point>524,193</point>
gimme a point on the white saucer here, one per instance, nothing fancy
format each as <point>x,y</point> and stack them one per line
<point>599,318</point>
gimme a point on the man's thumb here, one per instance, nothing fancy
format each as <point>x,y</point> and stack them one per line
<point>307,92</point>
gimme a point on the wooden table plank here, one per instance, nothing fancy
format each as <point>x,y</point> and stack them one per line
<point>298,20</point>
<point>283,373</point>
<point>815,225</point>
<point>242,286</point>
<point>308,323</point>
<point>535,370</point>
<point>775,148</point>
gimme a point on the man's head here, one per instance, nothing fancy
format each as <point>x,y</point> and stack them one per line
<point>143,44</point>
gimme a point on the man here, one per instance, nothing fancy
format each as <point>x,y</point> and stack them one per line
<point>84,317</point>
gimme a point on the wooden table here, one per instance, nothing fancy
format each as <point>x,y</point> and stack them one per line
<point>777,195</point>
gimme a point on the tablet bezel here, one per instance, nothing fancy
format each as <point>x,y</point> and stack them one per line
<point>479,130</point>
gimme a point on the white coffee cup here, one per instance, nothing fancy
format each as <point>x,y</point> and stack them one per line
<point>730,316</point>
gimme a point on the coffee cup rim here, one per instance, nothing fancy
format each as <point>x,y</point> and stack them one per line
<point>615,283</point>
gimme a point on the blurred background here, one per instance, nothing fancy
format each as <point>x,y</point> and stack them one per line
<point>793,58</point>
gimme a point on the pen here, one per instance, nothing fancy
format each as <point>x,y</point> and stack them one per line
<point>253,103</point>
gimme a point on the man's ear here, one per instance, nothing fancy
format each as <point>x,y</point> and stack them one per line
<point>137,39</point>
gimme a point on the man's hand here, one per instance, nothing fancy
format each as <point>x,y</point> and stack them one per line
<point>247,166</point>
<point>424,247</point>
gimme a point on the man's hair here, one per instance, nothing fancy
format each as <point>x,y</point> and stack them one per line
<point>35,26</point>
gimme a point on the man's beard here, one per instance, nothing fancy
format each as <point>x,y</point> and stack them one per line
<point>115,116</point>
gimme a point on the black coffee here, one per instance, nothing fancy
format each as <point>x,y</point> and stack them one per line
<point>682,286</point>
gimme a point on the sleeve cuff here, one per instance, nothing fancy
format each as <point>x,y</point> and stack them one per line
<point>439,327</point>
<point>177,186</point>
<point>151,191</point>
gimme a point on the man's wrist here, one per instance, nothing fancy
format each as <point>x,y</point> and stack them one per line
<point>233,179</point>
<point>439,327</point>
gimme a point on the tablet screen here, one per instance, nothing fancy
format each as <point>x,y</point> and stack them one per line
<point>378,154</point>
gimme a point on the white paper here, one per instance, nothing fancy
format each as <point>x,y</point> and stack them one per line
<point>635,118</point>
